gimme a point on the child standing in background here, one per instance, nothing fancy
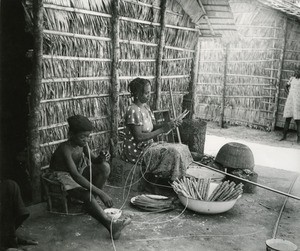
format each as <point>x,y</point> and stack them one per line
<point>292,105</point>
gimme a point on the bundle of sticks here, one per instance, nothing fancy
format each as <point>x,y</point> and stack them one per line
<point>194,188</point>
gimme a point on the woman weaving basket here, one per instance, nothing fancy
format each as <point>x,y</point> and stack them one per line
<point>165,160</point>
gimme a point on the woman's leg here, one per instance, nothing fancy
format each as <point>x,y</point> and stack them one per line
<point>286,128</point>
<point>297,121</point>
<point>100,174</point>
<point>94,209</point>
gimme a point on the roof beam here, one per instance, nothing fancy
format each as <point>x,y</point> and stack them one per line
<point>206,17</point>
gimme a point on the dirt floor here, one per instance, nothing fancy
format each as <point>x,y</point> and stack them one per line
<point>253,135</point>
<point>245,227</point>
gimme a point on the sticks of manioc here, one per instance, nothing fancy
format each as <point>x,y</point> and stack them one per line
<point>198,189</point>
<point>248,181</point>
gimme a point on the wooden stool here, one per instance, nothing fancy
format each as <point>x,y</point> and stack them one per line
<point>54,190</point>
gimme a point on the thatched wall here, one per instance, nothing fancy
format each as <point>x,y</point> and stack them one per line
<point>77,59</point>
<point>253,69</point>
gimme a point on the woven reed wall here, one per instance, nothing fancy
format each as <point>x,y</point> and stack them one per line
<point>76,71</point>
<point>138,46</point>
<point>77,58</point>
<point>290,61</point>
<point>178,56</point>
<point>252,69</point>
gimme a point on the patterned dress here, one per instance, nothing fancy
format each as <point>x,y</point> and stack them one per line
<point>292,105</point>
<point>166,160</point>
<point>140,117</point>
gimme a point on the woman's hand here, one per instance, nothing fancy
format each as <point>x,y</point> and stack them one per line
<point>171,125</point>
<point>107,200</point>
<point>105,155</point>
<point>177,122</point>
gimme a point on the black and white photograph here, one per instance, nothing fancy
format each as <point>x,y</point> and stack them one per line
<point>149,125</point>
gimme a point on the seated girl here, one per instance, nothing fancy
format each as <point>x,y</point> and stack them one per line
<point>165,160</point>
<point>68,166</point>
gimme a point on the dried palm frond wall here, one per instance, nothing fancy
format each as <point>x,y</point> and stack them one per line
<point>77,63</point>
<point>254,74</point>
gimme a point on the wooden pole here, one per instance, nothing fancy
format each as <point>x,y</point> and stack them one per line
<point>272,73</point>
<point>194,74</point>
<point>34,102</point>
<point>248,181</point>
<point>174,111</point>
<point>226,50</point>
<point>206,17</point>
<point>160,49</point>
<point>115,77</point>
<point>282,208</point>
<point>279,73</point>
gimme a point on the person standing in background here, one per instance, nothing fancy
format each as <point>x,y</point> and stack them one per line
<point>292,105</point>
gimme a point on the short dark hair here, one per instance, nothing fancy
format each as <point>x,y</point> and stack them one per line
<point>79,123</point>
<point>137,86</point>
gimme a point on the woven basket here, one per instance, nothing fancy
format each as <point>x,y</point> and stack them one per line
<point>235,155</point>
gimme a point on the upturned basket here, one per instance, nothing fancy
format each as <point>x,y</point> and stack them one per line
<point>235,155</point>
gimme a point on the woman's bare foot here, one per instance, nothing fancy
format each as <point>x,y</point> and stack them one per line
<point>117,227</point>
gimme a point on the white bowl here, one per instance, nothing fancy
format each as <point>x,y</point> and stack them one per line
<point>114,213</point>
<point>208,207</point>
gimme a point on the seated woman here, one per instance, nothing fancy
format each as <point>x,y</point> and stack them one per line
<point>165,160</point>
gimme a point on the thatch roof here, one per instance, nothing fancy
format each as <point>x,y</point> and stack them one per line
<point>213,17</point>
<point>216,18</point>
<point>291,7</point>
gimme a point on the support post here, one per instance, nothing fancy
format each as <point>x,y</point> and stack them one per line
<point>159,57</point>
<point>34,103</point>
<point>279,74</point>
<point>225,60</point>
<point>194,80</point>
<point>115,77</point>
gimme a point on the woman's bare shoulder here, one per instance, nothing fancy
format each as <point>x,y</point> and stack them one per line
<point>63,148</point>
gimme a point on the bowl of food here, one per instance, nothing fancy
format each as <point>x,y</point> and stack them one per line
<point>203,196</point>
<point>114,213</point>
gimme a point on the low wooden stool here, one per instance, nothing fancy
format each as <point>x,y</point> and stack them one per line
<point>57,198</point>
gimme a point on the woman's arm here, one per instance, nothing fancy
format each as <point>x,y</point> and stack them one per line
<point>140,136</point>
<point>103,156</point>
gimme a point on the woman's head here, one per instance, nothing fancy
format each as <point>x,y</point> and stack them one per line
<point>297,72</point>
<point>140,89</point>
<point>80,128</point>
